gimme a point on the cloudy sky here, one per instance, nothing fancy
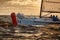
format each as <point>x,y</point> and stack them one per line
<point>27,7</point>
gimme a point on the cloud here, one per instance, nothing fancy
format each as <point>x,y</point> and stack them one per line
<point>4,0</point>
<point>21,2</point>
<point>23,6</point>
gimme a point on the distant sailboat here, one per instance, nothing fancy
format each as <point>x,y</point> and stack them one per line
<point>20,19</point>
<point>40,21</point>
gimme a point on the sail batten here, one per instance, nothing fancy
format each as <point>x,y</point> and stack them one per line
<point>52,6</point>
<point>52,11</point>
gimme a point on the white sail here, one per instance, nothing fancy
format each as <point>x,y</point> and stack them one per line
<point>51,5</point>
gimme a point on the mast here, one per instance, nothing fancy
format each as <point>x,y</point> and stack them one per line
<point>41,8</point>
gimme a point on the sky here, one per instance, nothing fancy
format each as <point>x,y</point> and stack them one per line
<point>27,7</point>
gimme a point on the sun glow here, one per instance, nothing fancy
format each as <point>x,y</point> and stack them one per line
<point>23,6</point>
<point>25,2</point>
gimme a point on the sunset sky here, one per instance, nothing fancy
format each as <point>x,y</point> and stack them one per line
<point>27,7</point>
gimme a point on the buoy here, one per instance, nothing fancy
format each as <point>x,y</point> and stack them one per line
<point>14,20</point>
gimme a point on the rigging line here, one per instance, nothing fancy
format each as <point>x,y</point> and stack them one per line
<point>52,2</point>
<point>46,15</point>
<point>52,11</point>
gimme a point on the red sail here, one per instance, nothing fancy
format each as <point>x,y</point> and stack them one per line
<point>14,20</point>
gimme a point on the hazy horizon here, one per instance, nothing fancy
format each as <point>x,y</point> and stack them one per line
<point>27,7</point>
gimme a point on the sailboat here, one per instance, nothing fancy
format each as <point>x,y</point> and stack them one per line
<point>22,20</point>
